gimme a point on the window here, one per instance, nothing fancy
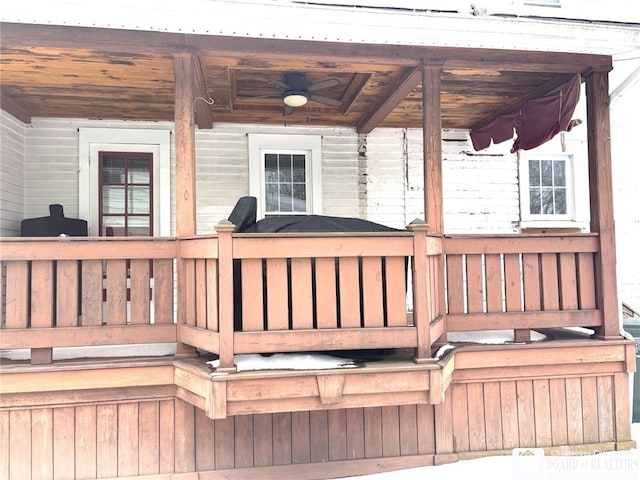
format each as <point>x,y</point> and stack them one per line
<point>285,174</point>
<point>546,188</point>
<point>126,194</point>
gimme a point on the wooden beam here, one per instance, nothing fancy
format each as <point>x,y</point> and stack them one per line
<point>398,91</point>
<point>601,198</point>
<point>10,106</point>
<point>353,90</point>
<point>159,42</point>
<point>202,99</point>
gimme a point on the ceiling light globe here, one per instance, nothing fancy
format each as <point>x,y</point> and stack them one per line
<point>295,100</point>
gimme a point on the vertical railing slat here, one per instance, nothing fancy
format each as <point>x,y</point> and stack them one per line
<point>301,293</point>
<point>474,284</point>
<point>116,292</point>
<point>550,292</point>
<point>42,294</point>
<point>252,295</point>
<point>200,294</point>
<point>212,294</point>
<point>67,293</point>
<point>277,294</point>
<point>493,268</point>
<point>163,303</point>
<point>396,284</point>
<point>139,291</point>
<point>568,282</point>
<point>586,281</point>
<point>326,293</point>
<point>91,304</point>
<point>349,292</point>
<point>17,291</point>
<point>531,279</point>
<point>372,292</point>
<point>455,284</point>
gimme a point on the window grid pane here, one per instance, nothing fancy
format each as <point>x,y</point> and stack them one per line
<point>547,187</point>
<point>285,183</point>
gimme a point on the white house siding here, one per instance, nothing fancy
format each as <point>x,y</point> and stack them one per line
<point>626,185</point>
<point>51,162</point>
<point>12,144</point>
<point>222,169</point>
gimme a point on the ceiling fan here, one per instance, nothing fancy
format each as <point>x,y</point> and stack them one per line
<point>297,91</point>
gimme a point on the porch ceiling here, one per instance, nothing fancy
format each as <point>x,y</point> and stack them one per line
<point>78,72</point>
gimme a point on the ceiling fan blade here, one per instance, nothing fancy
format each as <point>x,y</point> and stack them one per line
<point>326,100</point>
<point>322,84</point>
<point>278,82</point>
<point>288,110</point>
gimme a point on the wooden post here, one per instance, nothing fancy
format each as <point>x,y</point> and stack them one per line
<point>185,145</point>
<point>601,198</point>
<point>432,147</point>
<point>185,170</point>
<point>421,291</point>
<point>225,295</point>
<point>432,152</point>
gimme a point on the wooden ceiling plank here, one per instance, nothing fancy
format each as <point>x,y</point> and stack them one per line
<point>396,93</point>
<point>12,107</point>
<point>202,99</point>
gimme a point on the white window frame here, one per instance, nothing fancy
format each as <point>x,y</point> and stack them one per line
<point>528,219</point>
<point>94,140</point>
<point>309,145</point>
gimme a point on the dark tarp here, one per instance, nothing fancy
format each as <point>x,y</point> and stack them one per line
<point>536,122</point>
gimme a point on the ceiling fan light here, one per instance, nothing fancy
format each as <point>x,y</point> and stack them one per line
<point>295,99</point>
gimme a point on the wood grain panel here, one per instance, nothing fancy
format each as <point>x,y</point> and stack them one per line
<point>493,415</point>
<point>476,416</point>
<point>252,296</point>
<point>116,292</point>
<point>326,293</point>
<point>163,291</point>
<point>16,291</point>
<point>493,267</point>
<point>64,460</point>
<point>224,441</point>
<point>349,293</point>
<point>568,281</point>
<point>200,293</point>
<point>277,294</point>
<point>575,427</point>
<point>92,292</point>
<point>300,442</point>
<point>128,439</point>
<point>149,438</point>
<point>408,418</point>
<point>107,440</point>
<point>509,404</point>
<point>590,410</point>
<point>460,410</point>
<point>396,291</point>
<point>86,441</point>
<point>212,294</point>
<point>475,288</point>
<point>542,408</point>
<point>263,443</point>
<point>301,293</point>
<point>355,433</point>
<point>167,436</point>
<point>426,429</point>
<point>390,431</point>
<point>319,436</point>
<point>606,427</point>
<point>140,291</point>
<point>372,294</point>
<point>455,292</point>
<point>558,398</point>
<point>20,435</point>
<point>373,432</point>
<point>42,293</point>
<point>42,445</point>
<point>282,448</point>
<point>526,413</point>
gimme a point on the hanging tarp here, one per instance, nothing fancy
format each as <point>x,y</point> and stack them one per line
<point>536,122</point>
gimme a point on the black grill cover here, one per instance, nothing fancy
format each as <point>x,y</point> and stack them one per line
<point>54,225</point>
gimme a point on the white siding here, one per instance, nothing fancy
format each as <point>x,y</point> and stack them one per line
<point>222,170</point>
<point>51,162</point>
<point>12,145</point>
<point>626,186</point>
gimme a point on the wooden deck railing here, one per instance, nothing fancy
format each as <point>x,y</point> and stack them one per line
<point>266,293</point>
<point>521,282</point>
<point>306,292</point>
<point>68,292</point>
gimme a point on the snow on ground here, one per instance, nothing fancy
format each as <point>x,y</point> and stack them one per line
<point>623,465</point>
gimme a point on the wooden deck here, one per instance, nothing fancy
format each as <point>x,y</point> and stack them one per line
<point>167,416</point>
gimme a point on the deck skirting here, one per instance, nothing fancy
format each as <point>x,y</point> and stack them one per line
<point>154,420</point>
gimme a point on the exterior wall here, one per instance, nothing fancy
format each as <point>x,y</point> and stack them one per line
<point>222,170</point>
<point>12,175</point>
<point>626,188</point>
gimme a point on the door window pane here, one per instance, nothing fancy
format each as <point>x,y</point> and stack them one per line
<point>126,194</point>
